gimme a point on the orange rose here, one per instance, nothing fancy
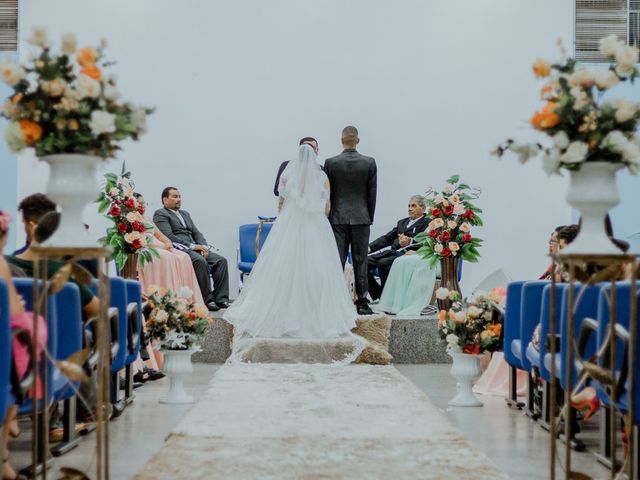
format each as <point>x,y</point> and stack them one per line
<point>32,131</point>
<point>548,92</point>
<point>442,316</point>
<point>92,71</point>
<point>16,98</point>
<point>546,118</point>
<point>86,56</point>
<point>541,68</point>
<point>495,329</point>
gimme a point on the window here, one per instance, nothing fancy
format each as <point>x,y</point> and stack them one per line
<point>8,25</point>
<point>598,18</point>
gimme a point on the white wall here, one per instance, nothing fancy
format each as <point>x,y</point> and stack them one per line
<point>431,85</point>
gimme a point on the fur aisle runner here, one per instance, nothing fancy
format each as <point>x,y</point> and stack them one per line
<point>279,421</point>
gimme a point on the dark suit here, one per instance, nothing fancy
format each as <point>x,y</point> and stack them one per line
<point>276,187</point>
<point>383,260</point>
<point>188,234</point>
<point>353,178</point>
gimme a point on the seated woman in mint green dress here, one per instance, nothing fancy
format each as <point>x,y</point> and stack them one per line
<point>409,287</point>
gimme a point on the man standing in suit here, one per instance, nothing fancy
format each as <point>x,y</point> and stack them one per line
<point>353,179</point>
<point>309,141</point>
<point>400,239</point>
<point>177,225</point>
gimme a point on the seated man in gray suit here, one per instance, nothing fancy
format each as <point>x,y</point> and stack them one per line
<point>177,225</point>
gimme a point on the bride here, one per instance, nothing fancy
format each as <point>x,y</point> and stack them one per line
<point>296,293</point>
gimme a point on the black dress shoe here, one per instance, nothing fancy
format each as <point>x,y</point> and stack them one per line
<point>213,307</point>
<point>117,408</point>
<point>153,374</point>
<point>364,309</point>
<point>222,305</point>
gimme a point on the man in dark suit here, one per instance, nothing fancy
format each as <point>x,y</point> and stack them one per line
<point>400,239</point>
<point>353,179</point>
<point>178,226</point>
<point>309,141</point>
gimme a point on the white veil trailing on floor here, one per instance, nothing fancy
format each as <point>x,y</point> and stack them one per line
<point>295,306</point>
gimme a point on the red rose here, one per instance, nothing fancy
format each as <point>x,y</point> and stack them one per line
<point>468,214</point>
<point>445,252</point>
<point>433,233</point>
<point>136,244</point>
<point>192,315</point>
<point>138,226</point>
<point>114,211</point>
<point>472,349</point>
<point>436,212</point>
<point>130,202</point>
<point>466,238</point>
<point>118,202</point>
<point>445,236</point>
<point>122,227</point>
<point>448,210</point>
<point>141,209</point>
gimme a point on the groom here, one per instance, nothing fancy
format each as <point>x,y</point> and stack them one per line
<point>353,180</point>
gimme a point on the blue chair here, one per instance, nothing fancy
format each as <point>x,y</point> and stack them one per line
<point>530,310</point>
<point>511,333</point>
<point>134,333</point>
<point>247,247</point>
<point>5,350</point>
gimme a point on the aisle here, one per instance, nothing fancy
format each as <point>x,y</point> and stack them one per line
<point>311,421</point>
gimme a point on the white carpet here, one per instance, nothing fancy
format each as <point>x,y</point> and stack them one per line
<point>316,422</point>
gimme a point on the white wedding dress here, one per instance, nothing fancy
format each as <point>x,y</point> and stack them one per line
<point>295,306</point>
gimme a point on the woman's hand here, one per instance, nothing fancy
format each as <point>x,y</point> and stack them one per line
<point>168,246</point>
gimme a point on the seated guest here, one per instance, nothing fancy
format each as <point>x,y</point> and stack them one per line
<point>400,239</point>
<point>173,270</point>
<point>33,208</point>
<point>553,249</point>
<point>177,226</point>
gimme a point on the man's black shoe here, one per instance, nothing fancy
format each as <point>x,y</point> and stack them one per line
<point>153,373</point>
<point>364,309</point>
<point>222,305</point>
<point>213,307</point>
<point>117,408</point>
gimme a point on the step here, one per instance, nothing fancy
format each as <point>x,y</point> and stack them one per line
<point>414,339</point>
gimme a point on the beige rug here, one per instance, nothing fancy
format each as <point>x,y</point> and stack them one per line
<point>315,422</point>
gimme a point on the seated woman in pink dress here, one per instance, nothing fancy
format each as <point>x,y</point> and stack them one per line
<point>173,270</point>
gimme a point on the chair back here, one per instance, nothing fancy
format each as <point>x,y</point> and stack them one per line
<point>118,300</point>
<point>512,321</point>
<point>134,319</point>
<point>5,350</point>
<point>545,323</point>
<point>247,247</point>
<point>530,310</point>
<point>69,317</point>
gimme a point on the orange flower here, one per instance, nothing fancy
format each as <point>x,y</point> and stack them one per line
<point>546,118</point>
<point>442,315</point>
<point>541,68</point>
<point>86,56</point>
<point>32,131</point>
<point>92,71</point>
<point>16,98</point>
<point>495,329</point>
<point>548,92</point>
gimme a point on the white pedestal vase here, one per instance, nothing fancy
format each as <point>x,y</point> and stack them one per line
<point>72,185</point>
<point>593,192</point>
<point>465,369</point>
<point>177,366</point>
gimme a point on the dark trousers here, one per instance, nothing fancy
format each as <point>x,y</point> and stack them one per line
<point>220,275</point>
<point>382,261</point>
<point>356,237</point>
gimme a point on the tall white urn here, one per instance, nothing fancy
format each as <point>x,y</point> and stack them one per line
<point>177,366</point>
<point>465,369</point>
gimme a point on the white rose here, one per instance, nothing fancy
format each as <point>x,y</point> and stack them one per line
<point>39,37</point>
<point>438,199</point>
<point>69,43</point>
<point>626,56</point>
<point>474,312</point>
<point>442,293</point>
<point>185,292</point>
<point>451,224</point>
<point>454,199</point>
<point>460,316</point>
<point>438,222</point>
<point>605,79</point>
<point>465,227</point>
<point>615,141</point>
<point>181,305</point>
<point>11,73</point>
<point>113,192</point>
<point>87,87</point>
<point>581,78</point>
<point>438,248</point>
<point>139,119</point>
<point>14,137</point>
<point>161,316</point>
<point>458,209</point>
<point>102,122</point>
<point>110,92</point>
<point>561,140</point>
<point>54,88</point>
<point>452,340</point>
<point>609,45</point>
<point>454,247</point>
<point>624,71</point>
<point>131,237</point>
<point>580,98</point>
<point>631,152</point>
<point>576,153</point>
<point>625,110</point>
<point>551,162</point>
<point>448,188</point>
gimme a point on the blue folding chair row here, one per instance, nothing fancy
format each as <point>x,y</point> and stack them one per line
<point>5,350</point>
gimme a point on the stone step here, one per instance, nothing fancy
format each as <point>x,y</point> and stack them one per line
<point>413,340</point>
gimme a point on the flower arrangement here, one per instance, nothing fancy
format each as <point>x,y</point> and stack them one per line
<point>472,326</point>
<point>583,127</point>
<point>172,319</point>
<point>130,233</point>
<point>64,103</point>
<point>449,232</point>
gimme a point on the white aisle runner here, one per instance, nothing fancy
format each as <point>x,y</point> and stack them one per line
<point>274,421</point>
